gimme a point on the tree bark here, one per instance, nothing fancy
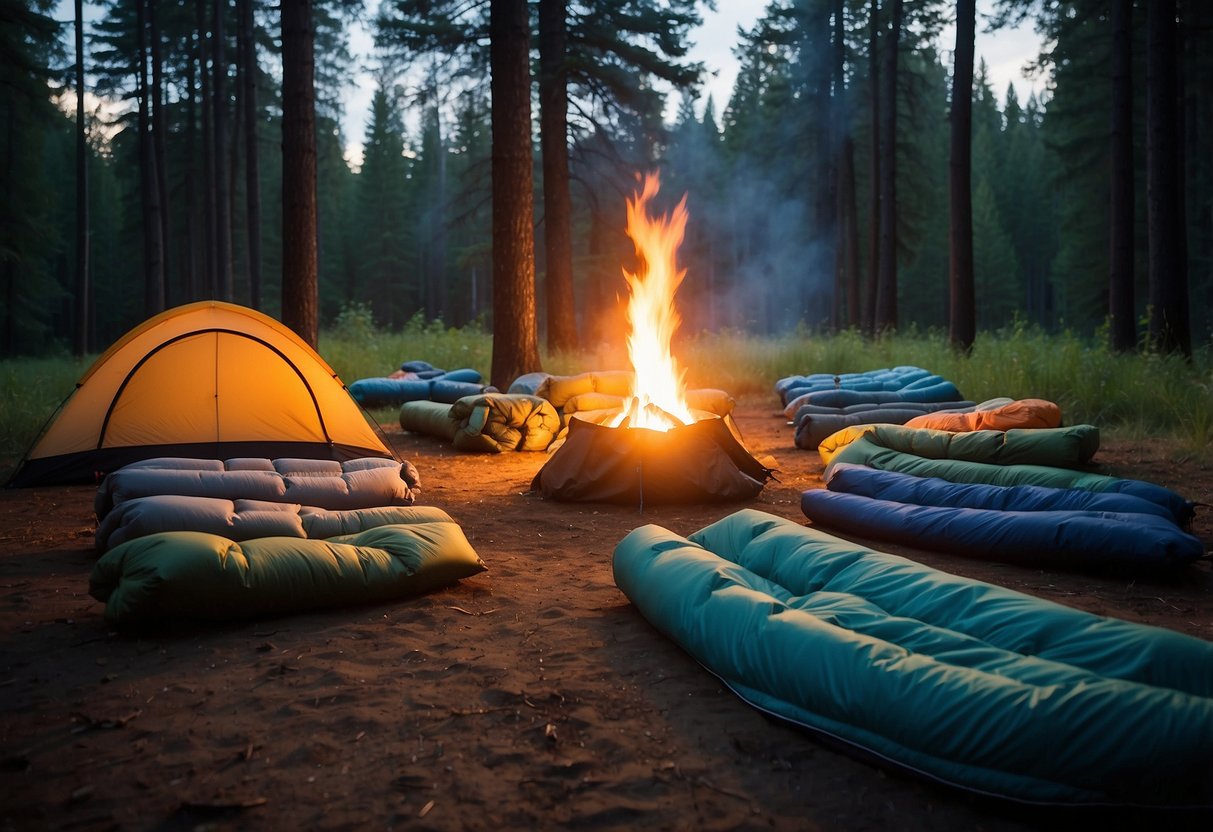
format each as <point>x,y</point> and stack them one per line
<point>80,339</point>
<point>191,184</point>
<point>210,281</point>
<point>1123,327</point>
<point>1169,325</point>
<point>557,203</point>
<point>515,345</point>
<point>159,123</point>
<point>886,286</point>
<point>846,269</point>
<point>962,311</point>
<point>300,300</point>
<point>252,166</point>
<point>223,218</point>
<point>869,307</point>
<point>153,243</point>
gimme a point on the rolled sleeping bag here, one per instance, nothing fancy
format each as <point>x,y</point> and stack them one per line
<point>418,367</point>
<point>497,422</point>
<point>448,392</point>
<point>429,418</point>
<point>1089,540</point>
<point>388,392</point>
<point>528,384</point>
<point>464,374</point>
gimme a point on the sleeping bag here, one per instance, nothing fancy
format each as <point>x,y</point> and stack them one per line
<point>357,483</point>
<point>897,378</point>
<point>953,679</point>
<point>1126,542</point>
<point>1024,413</point>
<point>322,483</point>
<point>240,519</point>
<point>198,575</point>
<point>496,422</point>
<point>1068,447</point>
<point>868,454</point>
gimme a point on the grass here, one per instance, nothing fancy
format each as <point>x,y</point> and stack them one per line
<point>1138,396</point>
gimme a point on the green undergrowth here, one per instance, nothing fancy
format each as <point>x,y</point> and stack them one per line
<point>1136,396</point>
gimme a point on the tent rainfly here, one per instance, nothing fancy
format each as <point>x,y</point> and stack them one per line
<point>207,380</point>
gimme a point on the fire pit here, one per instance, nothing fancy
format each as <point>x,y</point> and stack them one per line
<point>656,449</point>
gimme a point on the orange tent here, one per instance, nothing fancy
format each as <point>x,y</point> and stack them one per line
<point>207,380</point>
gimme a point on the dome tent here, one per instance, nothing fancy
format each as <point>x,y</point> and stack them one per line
<point>207,380</point>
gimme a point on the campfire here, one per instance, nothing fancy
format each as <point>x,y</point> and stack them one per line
<point>655,448</point>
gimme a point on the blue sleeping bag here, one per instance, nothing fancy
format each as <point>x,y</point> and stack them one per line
<point>938,391</point>
<point>888,379</point>
<point>959,681</point>
<point>933,491</point>
<point>440,386</point>
<point>1091,540</point>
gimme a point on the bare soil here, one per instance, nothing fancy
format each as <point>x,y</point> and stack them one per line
<point>531,696</point>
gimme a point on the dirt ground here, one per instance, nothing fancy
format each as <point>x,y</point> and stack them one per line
<point>531,696</point>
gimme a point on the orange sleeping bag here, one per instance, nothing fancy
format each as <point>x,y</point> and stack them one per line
<point>1024,413</point>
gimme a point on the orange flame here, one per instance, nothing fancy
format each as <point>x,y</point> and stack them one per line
<point>659,387</point>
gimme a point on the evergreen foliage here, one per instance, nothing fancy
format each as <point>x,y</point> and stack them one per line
<point>407,229</point>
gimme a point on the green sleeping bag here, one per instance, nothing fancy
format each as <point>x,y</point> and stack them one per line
<point>199,575</point>
<point>429,418</point>
<point>1063,447</point>
<point>960,681</point>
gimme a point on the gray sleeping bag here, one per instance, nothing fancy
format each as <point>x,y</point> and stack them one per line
<point>357,483</point>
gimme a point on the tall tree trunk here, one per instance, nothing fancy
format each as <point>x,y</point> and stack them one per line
<point>849,232</point>
<point>211,281</point>
<point>846,268</point>
<point>437,265</point>
<point>874,213</point>
<point>1123,327</point>
<point>1169,326</point>
<point>80,330</point>
<point>515,344</point>
<point>153,243</point>
<point>252,165</point>
<point>223,217</point>
<point>886,285</point>
<point>962,311</point>
<point>300,288</point>
<point>190,260</point>
<point>557,203</point>
<point>159,122</point>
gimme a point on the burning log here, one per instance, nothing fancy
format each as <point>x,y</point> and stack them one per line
<point>655,450</point>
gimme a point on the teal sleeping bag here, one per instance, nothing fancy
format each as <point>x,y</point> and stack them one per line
<point>962,682</point>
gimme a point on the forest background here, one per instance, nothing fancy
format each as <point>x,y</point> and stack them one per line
<point>784,178</point>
